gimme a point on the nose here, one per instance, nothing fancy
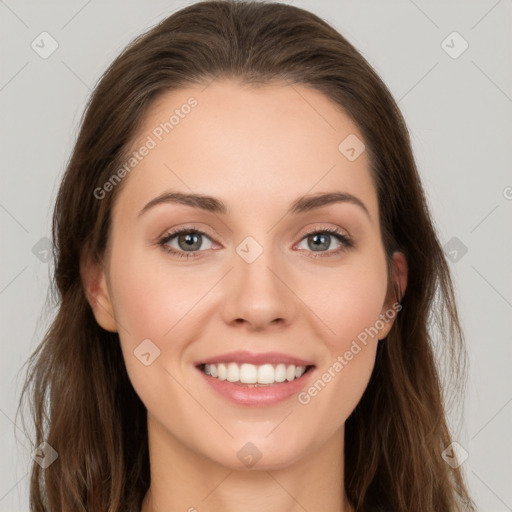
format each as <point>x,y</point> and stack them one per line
<point>259,294</point>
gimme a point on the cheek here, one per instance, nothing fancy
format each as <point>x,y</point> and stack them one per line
<point>349,300</point>
<point>350,304</point>
<point>150,307</point>
<point>149,302</point>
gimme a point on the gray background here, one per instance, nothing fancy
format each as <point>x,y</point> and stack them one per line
<point>459,115</point>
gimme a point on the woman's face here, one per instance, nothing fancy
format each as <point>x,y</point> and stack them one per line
<point>272,282</point>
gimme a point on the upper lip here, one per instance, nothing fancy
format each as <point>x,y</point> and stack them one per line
<point>243,356</point>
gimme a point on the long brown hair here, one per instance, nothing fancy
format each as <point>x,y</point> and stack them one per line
<point>81,399</point>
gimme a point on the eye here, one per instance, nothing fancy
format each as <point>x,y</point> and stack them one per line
<point>189,242</point>
<point>185,242</point>
<point>319,241</point>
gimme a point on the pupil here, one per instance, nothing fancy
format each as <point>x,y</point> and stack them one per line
<point>317,241</point>
<point>190,240</point>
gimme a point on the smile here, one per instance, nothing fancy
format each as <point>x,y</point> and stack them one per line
<point>255,379</point>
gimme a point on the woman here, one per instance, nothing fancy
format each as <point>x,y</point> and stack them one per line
<point>246,273</point>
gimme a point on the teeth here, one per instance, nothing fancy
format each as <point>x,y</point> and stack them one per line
<point>252,374</point>
<point>280,373</point>
<point>266,374</point>
<point>248,374</point>
<point>221,371</point>
<point>233,373</point>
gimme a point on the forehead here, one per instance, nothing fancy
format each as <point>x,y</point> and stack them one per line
<point>251,146</point>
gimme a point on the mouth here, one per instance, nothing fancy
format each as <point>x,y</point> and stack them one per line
<point>252,375</point>
<point>255,379</point>
<point>256,385</point>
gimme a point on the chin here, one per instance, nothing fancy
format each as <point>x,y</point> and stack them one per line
<point>259,452</point>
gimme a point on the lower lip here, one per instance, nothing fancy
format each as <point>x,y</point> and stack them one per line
<point>262,396</point>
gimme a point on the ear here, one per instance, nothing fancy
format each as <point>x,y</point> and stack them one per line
<point>97,293</point>
<point>396,290</point>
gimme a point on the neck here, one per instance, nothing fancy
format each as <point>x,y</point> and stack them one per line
<point>183,480</point>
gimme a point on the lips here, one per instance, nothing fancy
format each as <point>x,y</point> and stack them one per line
<point>243,356</point>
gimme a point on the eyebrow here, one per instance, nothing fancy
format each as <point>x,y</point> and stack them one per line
<point>214,205</point>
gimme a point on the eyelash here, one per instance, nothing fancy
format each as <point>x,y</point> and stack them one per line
<point>341,237</point>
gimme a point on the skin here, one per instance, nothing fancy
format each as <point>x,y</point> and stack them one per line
<point>257,149</point>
